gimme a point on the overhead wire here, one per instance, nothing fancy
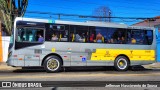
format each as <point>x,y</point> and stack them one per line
<point>86,16</point>
<point>121,13</point>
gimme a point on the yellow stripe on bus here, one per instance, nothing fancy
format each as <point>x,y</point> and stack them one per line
<point>111,54</point>
<point>1,48</point>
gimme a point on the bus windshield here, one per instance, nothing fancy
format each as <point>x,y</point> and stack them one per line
<point>11,39</point>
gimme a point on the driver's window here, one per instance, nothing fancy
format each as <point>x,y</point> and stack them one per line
<point>30,35</point>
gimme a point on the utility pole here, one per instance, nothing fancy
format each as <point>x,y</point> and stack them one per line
<point>59,16</point>
<point>109,16</point>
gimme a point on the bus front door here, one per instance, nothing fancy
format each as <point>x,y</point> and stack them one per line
<point>32,60</point>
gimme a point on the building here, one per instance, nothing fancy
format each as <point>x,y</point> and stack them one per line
<point>149,23</point>
<point>4,43</point>
<point>155,22</point>
<point>1,52</point>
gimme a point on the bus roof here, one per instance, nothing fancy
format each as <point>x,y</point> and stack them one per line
<point>87,23</point>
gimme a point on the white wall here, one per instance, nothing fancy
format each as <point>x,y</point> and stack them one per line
<point>5,45</point>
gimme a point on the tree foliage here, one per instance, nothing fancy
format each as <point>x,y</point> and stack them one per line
<point>9,10</point>
<point>104,13</point>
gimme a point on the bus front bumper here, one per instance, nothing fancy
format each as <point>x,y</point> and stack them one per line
<point>10,62</point>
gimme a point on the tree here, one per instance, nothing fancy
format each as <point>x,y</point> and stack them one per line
<point>103,14</point>
<point>9,10</point>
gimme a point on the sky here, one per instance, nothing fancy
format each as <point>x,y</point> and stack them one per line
<point>119,8</point>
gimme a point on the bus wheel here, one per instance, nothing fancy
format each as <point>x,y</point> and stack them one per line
<point>52,64</point>
<point>121,63</point>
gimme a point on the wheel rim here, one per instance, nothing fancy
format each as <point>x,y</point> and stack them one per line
<point>53,64</point>
<point>122,63</point>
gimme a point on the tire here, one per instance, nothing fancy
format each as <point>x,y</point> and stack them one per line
<point>121,63</point>
<point>52,64</point>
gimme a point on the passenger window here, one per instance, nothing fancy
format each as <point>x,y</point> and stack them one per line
<point>137,37</point>
<point>107,35</point>
<point>117,36</point>
<point>149,37</point>
<point>57,33</point>
<point>98,34</point>
<point>142,37</point>
<point>79,34</point>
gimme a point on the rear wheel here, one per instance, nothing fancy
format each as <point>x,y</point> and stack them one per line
<point>52,64</point>
<point>121,63</point>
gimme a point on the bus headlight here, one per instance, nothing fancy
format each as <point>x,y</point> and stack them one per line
<point>9,54</point>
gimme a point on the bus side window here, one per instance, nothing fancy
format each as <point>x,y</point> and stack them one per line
<point>79,34</point>
<point>54,37</point>
<point>72,37</point>
<point>149,37</point>
<point>141,37</point>
<point>63,36</point>
<point>92,38</point>
<point>57,33</point>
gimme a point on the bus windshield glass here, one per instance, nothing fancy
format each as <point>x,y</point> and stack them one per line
<point>11,39</point>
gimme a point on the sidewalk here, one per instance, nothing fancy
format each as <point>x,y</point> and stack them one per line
<point>152,66</point>
<point>4,66</point>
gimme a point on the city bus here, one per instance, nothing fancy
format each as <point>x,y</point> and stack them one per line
<point>55,44</point>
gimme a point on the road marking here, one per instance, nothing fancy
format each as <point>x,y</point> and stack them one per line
<point>71,76</point>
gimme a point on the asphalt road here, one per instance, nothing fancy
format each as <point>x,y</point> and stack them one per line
<point>81,74</point>
<point>93,74</point>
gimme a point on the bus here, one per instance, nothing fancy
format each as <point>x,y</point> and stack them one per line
<point>54,44</point>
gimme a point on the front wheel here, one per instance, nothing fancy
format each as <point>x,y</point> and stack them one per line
<point>52,64</point>
<point>121,63</point>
